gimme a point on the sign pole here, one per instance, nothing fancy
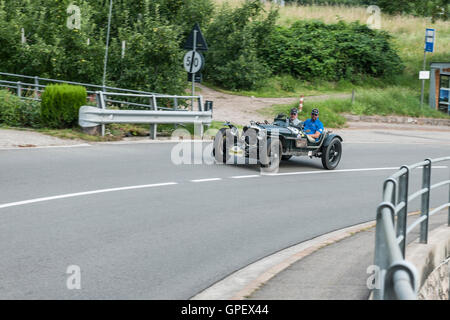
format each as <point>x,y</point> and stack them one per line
<point>192,64</point>
<point>430,35</point>
<point>423,80</point>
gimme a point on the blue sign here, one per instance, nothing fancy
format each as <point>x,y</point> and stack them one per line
<point>429,40</point>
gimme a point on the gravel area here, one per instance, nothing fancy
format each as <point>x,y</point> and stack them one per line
<point>30,139</point>
<point>242,109</point>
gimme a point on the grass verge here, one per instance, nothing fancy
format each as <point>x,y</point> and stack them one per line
<point>384,102</point>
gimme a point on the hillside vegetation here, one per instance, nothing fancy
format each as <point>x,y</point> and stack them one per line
<point>407,38</point>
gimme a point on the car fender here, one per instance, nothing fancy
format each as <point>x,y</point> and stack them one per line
<point>330,137</point>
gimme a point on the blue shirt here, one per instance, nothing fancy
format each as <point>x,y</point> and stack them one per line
<point>313,127</point>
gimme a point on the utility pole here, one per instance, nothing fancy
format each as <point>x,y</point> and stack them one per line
<point>107,44</point>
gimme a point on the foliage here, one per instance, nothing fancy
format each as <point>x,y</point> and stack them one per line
<point>234,38</point>
<point>153,30</point>
<point>60,105</point>
<point>331,52</point>
<point>15,112</point>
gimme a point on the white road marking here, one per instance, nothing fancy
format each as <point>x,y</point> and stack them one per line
<point>79,194</point>
<point>206,180</point>
<point>245,177</point>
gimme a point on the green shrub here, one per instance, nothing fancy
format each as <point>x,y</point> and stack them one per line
<point>15,112</point>
<point>60,105</point>
<point>315,50</point>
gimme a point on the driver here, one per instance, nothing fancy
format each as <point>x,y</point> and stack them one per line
<point>313,128</point>
<point>294,117</point>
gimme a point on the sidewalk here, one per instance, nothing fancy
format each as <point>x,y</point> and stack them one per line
<point>334,272</point>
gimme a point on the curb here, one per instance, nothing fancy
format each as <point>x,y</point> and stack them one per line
<point>244,282</point>
<point>398,120</point>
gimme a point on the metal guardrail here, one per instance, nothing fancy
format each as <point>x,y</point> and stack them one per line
<point>36,86</point>
<point>398,277</point>
<point>180,111</point>
<point>93,116</point>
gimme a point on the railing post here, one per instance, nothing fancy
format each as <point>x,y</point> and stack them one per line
<point>381,250</point>
<point>403,213</point>
<point>36,88</point>
<point>19,89</point>
<point>103,106</point>
<point>153,126</point>
<point>425,203</point>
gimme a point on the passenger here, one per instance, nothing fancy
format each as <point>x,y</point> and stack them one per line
<point>313,128</point>
<point>294,118</point>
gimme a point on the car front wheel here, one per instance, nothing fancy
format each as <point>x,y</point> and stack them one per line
<point>270,162</point>
<point>331,154</point>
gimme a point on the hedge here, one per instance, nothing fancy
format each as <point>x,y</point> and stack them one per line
<point>60,105</point>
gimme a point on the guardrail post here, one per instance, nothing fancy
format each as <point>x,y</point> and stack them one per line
<point>153,126</point>
<point>19,89</point>
<point>101,99</point>
<point>425,203</point>
<point>403,213</point>
<point>200,104</point>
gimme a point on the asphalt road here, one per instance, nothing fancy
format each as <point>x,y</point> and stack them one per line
<point>172,234</point>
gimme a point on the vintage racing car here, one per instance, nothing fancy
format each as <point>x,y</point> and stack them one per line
<point>269,143</point>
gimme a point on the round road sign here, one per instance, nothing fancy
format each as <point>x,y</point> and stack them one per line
<point>193,61</point>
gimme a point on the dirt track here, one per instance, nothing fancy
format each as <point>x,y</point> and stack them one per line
<point>242,109</point>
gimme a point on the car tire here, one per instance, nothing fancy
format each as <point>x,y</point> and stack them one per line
<point>223,141</point>
<point>331,154</point>
<point>286,157</point>
<point>273,156</point>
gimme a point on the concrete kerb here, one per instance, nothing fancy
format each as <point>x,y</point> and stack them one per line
<point>428,258</point>
<point>244,282</point>
<point>398,120</point>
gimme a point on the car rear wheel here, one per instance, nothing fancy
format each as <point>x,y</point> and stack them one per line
<point>331,154</point>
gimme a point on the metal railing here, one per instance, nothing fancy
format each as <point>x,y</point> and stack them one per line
<point>398,277</point>
<point>29,87</point>
<point>176,110</point>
